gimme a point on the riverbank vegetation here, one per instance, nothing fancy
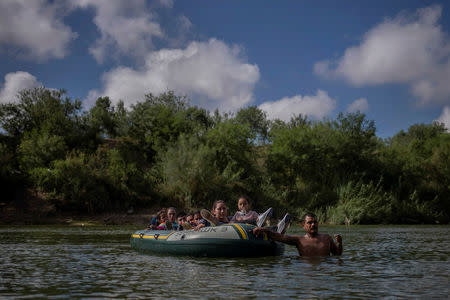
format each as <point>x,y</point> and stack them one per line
<point>164,151</point>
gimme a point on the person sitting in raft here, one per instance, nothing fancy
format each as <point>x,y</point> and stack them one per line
<point>245,215</point>
<point>171,223</point>
<point>190,219</point>
<point>217,217</point>
<point>312,243</point>
<point>197,217</point>
<point>182,223</point>
<point>181,219</point>
<point>162,219</point>
<point>154,221</point>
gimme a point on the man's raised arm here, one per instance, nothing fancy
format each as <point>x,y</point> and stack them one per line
<point>290,240</point>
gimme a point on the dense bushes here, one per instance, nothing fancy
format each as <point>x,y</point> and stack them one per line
<point>164,150</point>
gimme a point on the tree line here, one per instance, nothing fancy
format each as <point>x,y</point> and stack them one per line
<point>165,150</point>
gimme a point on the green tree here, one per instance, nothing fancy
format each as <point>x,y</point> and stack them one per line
<point>45,110</point>
<point>102,118</point>
<point>158,121</point>
<point>220,164</point>
<point>39,149</point>
<point>256,120</point>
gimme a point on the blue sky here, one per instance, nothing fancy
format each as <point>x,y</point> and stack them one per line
<point>388,59</point>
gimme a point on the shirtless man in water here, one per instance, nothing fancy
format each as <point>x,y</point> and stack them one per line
<point>312,243</point>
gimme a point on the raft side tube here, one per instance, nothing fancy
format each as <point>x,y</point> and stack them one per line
<point>228,240</point>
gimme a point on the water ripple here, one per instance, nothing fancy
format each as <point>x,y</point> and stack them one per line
<point>50,262</point>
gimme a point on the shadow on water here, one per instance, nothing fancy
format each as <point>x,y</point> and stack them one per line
<point>97,262</point>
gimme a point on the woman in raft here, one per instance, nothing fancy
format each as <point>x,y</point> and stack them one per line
<point>217,217</point>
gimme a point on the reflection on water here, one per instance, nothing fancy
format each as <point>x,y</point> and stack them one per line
<point>97,262</point>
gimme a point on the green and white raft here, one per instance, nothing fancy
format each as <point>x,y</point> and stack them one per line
<point>228,240</point>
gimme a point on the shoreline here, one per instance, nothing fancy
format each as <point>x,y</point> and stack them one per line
<point>77,220</point>
<point>107,219</point>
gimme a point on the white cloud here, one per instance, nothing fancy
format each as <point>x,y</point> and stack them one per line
<point>14,83</point>
<point>35,27</point>
<point>360,104</point>
<point>316,106</point>
<point>166,3</point>
<point>407,49</point>
<point>129,27</point>
<point>214,74</point>
<point>445,117</point>
<point>184,23</point>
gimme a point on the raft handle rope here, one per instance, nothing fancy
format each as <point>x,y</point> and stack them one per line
<point>141,235</point>
<point>156,236</point>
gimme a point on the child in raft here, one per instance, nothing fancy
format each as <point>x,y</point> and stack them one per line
<point>181,219</point>
<point>245,215</point>
<point>190,218</point>
<point>162,219</point>
<point>197,217</point>
<point>185,222</point>
<point>154,222</point>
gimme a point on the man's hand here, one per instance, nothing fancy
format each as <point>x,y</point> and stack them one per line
<point>258,231</point>
<point>338,238</point>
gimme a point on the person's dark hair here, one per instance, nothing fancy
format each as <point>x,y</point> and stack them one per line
<point>196,213</point>
<point>217,202</point>
<point>160,213</point>
<point>246,199</point>
<point>181,214</point>
<point>309,214</point>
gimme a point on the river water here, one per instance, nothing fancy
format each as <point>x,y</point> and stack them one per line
<point>90,262</point>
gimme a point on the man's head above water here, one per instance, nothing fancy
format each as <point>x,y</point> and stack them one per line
<point>309,214</point>
<point>310,224</point>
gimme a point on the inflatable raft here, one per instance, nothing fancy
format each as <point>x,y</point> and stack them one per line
<point>228,240</point>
